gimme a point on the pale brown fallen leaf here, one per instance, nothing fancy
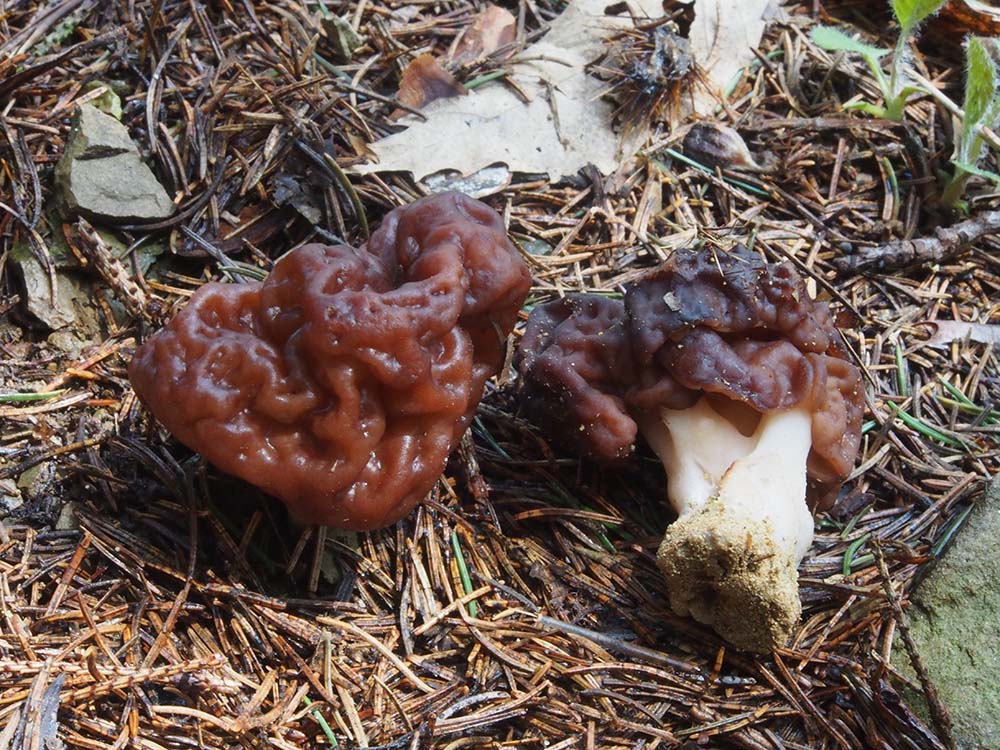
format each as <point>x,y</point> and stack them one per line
<point>492,28</point>
<point>565,125</point>
<point>723,37</point>
<point>947,331</point>
<point>425,81</point>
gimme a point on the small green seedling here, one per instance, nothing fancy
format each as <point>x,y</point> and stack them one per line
<point>982,109</point>
<point>897,87</point>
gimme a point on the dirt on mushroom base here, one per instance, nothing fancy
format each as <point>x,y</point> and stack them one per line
<point>273,611</point>
<point>720,568</point>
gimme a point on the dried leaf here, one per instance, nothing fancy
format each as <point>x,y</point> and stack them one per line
<point>425,81</point>
<point>287,190</point>
<point>564,126</point>
<point>947,331</point>
<point>715,145</point>
<point>723,37</point>
<point>961,17</point>
<point>492,28</point>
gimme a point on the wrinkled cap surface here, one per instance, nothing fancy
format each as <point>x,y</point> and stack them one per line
<point>730,325</point>
<point>343,381</point>
<point>574,357</point>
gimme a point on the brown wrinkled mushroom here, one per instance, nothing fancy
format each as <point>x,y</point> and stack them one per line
<point>574,357</point>
<point>736,378</point>
<point>343,381</point>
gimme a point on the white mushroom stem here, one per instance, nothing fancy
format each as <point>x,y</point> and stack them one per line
<point>743,525</point>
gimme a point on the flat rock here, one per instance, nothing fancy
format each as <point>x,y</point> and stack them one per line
<point>72,311</point>
<point>56,308</point>
<point>955,621</point>
<point>10,497</point>
<point>101,175</point>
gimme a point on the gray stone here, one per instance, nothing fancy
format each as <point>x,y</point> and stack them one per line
<point>955,621</point>
<point>10,497</point>
<point>101,175</point>
<point>72,311</point>
<point>55,310</point>
<point>343,38</point>
<point>67,518</point>
<point>95,135</point>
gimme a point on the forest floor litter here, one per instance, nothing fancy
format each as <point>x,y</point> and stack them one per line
<point>148,600</point>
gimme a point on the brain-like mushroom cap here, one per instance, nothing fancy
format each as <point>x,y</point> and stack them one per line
<point>341,384</point>
<point>724,324</point>
<point>574,357</point>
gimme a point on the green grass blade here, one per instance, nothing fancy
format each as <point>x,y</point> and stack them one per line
<point>21,398</point>
<point>323,724</point>
<point>925,429</point>
<point>851,551</point>
<point>463,572</point>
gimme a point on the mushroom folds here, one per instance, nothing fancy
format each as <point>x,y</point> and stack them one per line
<point>736,378</point>
<point>343,381</point>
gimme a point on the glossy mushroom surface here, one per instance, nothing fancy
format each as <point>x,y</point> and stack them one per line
<point>342,382</point>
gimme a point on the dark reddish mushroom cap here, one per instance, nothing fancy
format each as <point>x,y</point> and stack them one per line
<point>574,357</point>
<point>727,324</point>
<point>343,381</point>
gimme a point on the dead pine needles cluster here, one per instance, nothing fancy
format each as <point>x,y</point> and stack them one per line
<point>149,601</point>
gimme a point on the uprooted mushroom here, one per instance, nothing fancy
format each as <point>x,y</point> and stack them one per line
<point>736,378</point>
<point>343,381</point>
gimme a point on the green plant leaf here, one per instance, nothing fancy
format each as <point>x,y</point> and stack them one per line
<point>836,40</point>
<point>980,82</point>
<point>868,108</point>
<point>909,13</point>
<point>974,170</point>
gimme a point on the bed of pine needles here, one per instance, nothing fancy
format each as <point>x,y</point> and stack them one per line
<point>148,601</point>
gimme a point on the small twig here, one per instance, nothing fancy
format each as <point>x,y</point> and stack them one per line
<point>617,645</point>
<point>136,301</point>
<point>15,469</point>
<point>28,74</point>
<point>946,242</point>
<point>987,134</point>
<point>153,94</point>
